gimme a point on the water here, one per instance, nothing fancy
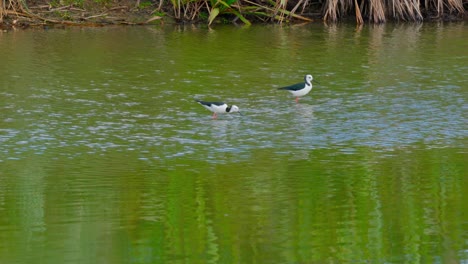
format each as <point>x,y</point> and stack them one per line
<point>106,158</point>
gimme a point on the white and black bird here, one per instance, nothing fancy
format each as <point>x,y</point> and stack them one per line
<point>219,107</point>
<point>300,89</point>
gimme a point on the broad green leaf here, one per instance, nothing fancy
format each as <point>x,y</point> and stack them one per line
<point>213,14</point>
<point>242,18</point>
<point>230,2</point>
<point>224,3</point>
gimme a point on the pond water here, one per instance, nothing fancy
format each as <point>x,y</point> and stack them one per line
<point>105,157</point>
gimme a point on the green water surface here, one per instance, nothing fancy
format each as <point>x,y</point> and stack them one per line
<point>105,157</point>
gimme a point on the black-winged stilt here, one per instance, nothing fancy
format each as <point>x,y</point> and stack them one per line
<point>219,107</point>
<point>300,89</point>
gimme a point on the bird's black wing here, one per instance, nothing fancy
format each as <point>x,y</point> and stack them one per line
<point>294,87</point>
<point>209,103</point>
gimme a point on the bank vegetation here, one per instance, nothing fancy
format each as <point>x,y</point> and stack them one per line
<point>23,13</point>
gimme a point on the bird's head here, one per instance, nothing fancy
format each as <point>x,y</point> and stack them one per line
<point>234,108</point>
<point>308,78</point>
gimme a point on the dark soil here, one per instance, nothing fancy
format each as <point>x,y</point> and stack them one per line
<point>43,14</point>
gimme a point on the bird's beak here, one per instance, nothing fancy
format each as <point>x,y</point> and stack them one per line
<point>240,114</point>
<point>316,82</point>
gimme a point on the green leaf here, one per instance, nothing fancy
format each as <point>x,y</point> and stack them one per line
<point>242,18</point>
<point>235,12</point>
<point>224,3</point>
<point>213,14</point>
<point>225,8</point>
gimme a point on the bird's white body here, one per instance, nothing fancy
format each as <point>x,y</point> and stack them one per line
<point>307,88</point>
<point>219,109</point>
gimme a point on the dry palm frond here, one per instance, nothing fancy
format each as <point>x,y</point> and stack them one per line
<point>272,11</point>
<point>331,11</point>
<point>2,9</point>
<point>397,9</point>
<point>456,5</point>
<point>345,6</point>
<point>415,4</point>
<point>280,5</point>
<point>408,10</point>
<point>359,19</point>
<point>301,2</point>
<point>334,9</point>
<point>376,11</point>
<point>440,7</point>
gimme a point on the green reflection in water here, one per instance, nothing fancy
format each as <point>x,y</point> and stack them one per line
<point>404,207</point>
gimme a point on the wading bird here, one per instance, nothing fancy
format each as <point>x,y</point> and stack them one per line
<point>219,108</point>
<point>300,89</point>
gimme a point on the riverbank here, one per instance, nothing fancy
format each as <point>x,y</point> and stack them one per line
<point>72,15</point>
<point>14,15</point>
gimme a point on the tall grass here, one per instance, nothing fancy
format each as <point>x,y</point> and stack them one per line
<point>280,11</point>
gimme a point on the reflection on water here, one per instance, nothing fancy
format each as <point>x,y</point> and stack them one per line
<point>106,157</point>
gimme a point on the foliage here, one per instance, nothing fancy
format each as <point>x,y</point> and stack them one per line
<point>59,3</point>
<point>220,6</point>
<point>144,4</point>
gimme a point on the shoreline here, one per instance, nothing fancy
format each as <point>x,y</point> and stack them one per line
<point>46,15</point>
